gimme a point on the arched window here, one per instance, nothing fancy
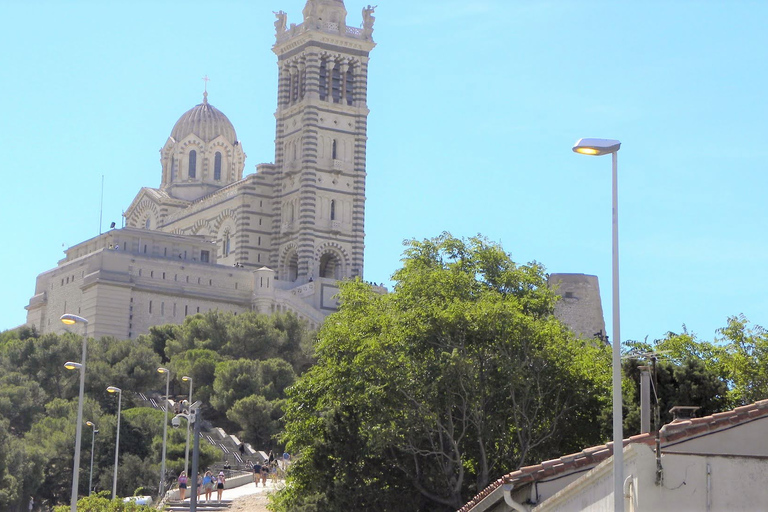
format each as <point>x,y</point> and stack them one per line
<point>226,244</point>
<point>334,152</point>
<point>330,266</point>
<point>293,267</point>
<point>350,85</point>
<point>333,209</point>
<point>336,84</point>
<point>148,223</point>
<point>192,164</point>
<point>323,80</point>
<point>217,166</point>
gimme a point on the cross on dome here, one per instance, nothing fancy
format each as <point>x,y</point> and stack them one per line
<point>205,88</point>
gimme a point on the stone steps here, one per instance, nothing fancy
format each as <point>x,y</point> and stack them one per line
<point>203,506</point>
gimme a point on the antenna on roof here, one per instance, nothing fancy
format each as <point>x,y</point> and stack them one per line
<point>101,204</point>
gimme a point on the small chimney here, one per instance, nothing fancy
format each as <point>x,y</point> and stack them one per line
<point>645,399</point>
<point>683,412</point>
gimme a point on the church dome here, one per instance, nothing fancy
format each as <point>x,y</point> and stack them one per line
<point>205,121</point>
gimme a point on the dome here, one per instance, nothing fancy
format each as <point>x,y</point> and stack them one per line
<point>205,121</point>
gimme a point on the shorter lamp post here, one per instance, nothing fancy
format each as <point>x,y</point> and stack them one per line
<point>165,428</point>
<point>186,449</point>
<point>68,319</point>
<point>113,389</point>
<point>93,440</point>
<point>192,415</point>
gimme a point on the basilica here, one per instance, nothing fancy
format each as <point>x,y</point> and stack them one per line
<point>210,238</point>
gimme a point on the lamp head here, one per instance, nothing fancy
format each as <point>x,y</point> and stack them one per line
<point>70,365</point>
<point>596,147</point>
<point>68,319</point>
<point>185,378</point>
<point>90,424</point>
<point>162,370</point>
<point>113,389</point>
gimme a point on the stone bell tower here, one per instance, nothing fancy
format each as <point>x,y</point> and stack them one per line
<point>320,143</point>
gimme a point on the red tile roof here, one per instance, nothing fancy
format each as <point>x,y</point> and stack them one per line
<point>592,456</point>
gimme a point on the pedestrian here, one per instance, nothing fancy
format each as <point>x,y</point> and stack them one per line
<point>286,460</point>
<point>199,486</point>
<point>256,473</point>
<point>220,485</point>
<point>31,503</point>
<point>208,484</point>
<point>182,485</point>
<point>264,473</point>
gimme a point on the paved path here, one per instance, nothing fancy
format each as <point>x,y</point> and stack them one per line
<point>245,490</point>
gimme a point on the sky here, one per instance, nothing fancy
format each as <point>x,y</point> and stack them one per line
<point>474,109</point>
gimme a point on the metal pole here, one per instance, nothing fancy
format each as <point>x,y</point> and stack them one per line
<point>117,443</point>
<point>186,450</point>
<point>90,479</point>
<point>618,431</point>
<point>165,433</point>
<point>79,428</point>
<point>195,457</point>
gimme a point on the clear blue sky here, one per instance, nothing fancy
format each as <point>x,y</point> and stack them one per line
<point>474,108</point>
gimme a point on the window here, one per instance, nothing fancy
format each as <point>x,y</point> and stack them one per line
<point>333,209</point>
<point>336,84</point>
<point>217,166</point>
<point>147,225</point>
<point>192,164</point>
<point>323,80</point>
<point>226,244</point>
<point>150,307</point>
<point>205,256</point>
<point>333,149</point>
<point>350,85</point>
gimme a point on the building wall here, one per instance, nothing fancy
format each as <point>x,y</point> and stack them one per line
<point>692,481</point>
<point>579,306</point>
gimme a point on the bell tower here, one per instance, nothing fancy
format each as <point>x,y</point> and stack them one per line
<point>320,143</point>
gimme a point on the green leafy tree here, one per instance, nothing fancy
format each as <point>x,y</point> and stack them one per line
<point>258,418</point>
<point>424,396</point>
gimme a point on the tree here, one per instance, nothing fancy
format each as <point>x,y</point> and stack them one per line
<point>425,395</point>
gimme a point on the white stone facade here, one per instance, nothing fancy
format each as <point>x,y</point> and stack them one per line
<point>210,238</point>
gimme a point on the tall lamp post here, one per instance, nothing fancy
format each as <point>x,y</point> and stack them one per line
<point>93,439</point>
<point>68,319</point>
<point>113,389</point>
<point>598,147</point>
<point>186,450</point>
<point>165,427</point>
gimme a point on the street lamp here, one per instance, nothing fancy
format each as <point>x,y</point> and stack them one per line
<point>113,389</point>
<point>165,428</point>
<point>186,450</point>
<point>192,414</point>
<point>598,147</point>
<point>93,439</point>
<point>68,319</point>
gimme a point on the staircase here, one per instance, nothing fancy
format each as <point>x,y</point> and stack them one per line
<point>201,507</point>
